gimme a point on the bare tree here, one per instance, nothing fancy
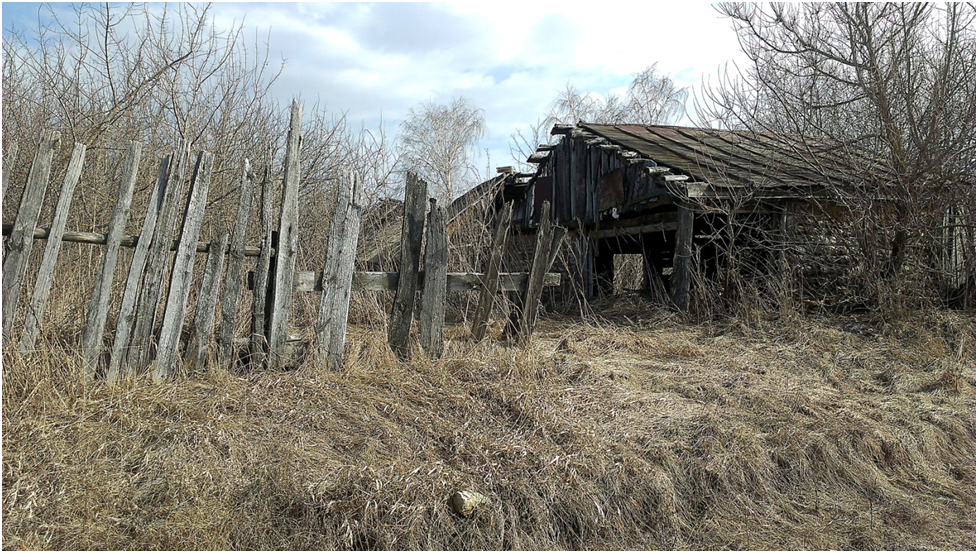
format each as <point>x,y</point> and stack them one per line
<point>438,142</point>
<point>886,90</point>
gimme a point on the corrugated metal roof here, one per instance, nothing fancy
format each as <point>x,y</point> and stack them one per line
<point>730,158</point>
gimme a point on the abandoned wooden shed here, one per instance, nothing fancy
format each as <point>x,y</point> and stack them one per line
<point>666,193</point>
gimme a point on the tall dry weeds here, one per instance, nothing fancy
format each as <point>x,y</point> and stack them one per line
<point>638,431</point>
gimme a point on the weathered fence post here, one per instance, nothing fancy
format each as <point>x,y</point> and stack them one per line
<point>264,278</point>
<point>412,229</point>
<point>98,307</point>
<point>183,269</point>
<point>134,280</point>
<point>288,234</point>
<point>682,260</point>
<point>22,236</point>
<point>45,274</point>
<point>200,341</point>
<point>334,304</point>
<point>232,283</point>
<point>157,262</point>
<point>431,323</point>
<point>490,286</point>
<point>549,238</point>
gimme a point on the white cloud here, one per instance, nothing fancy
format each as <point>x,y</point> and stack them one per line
<point>509,58</point>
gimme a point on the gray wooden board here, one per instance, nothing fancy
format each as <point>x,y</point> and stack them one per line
<point>412,227</point>
<point>490,286</point>
<point>183,269</point>
<point>200,341</point>
<point>288,232</point>
<point>682,260</point>
<point>21,240</point>
<point>127,311</point>
<point>98,307</point>
<point>45,274</point>
<point>431,320</point>
<point>258,341</point>
<point>538,268</point>
<point>232,283</point>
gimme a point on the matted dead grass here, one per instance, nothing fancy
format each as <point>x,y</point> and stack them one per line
<point>639,431</point>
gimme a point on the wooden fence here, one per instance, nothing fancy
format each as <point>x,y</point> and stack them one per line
<point>142,343</point>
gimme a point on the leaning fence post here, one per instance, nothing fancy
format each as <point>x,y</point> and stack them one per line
<point>200,341</point>
<point>98,307</point>
<point>288,233</point>
<point>412,228</point>
<point>490,286</point>
<point>431,322</point>
<point>130,297</point>
<point>682,260</point>
<point>232,283</point>
<point>45,274</point>
<point>337,281</point>
<point>157,262</point>
<point>183,268</point>
<point>22,236</point>
<point>549,238</point>
<point>264,275</point>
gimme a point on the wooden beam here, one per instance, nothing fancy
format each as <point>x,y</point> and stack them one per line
<point>236,254</point>
<point>158,262</point>
<point>127,241</point>
<point>183,269</point>
<point>130,297</point>
<point>45,274</point>
<point>288,235</point>
<point>98,307</point>
<point>682,260</point>
<point>199,343</point>
<point>18,250</point>
<point>412,228</point>
<point>634,230</point>
<point>337,275</point>
<point>431,322</point>
<point>378,281</point>
<point>490,288</point>
<point>258,341</point>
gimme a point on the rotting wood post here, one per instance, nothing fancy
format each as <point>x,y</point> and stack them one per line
<point>337,278</point>
<point>278,331</point>
<point>45,274</point>
<point>258,341</point>
<point>431,322</point>
<point>490,286</point>
<point>22,236</point>
<point>682,260</point>
<point>199,343</point>
<point>232,283</point>
<point>183,269</point>
<point>98,307</point>
<point>412,229</point>
<point>157,262</point>
<point>117,365</point>
<point>549,239</point>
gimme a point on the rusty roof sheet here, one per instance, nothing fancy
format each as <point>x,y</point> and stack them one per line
<point>731,158</point>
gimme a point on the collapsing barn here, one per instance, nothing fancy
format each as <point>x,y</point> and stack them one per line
<point>671,195</point>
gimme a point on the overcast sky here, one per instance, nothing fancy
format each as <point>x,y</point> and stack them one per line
<point>508,58</point>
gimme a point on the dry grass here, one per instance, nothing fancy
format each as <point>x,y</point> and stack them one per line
<point>639,431</point>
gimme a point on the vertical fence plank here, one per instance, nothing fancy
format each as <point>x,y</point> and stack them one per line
<point>98,307</point>
<point>130,296</point>
<point>490,285</point>
<point>200,341</point>
<point>412,228</point>
<point>431,322</point>
<point>183,269</point>
<point>232,283</point>
<point>21,238</point>
<point>45,274</point>
<point>157,262</point>
<point>682,260</point>
<point>534,285</point>
<point>258,344</point>
<point>334,305</point>
<point>288,234</point>
<point>8,161</point>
